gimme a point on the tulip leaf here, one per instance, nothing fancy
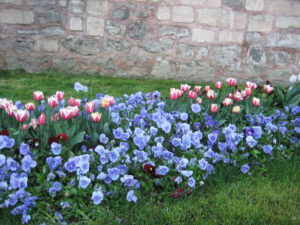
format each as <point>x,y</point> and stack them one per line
<point>77,139</point>
<point>295,100</point>
<point>106,129</point>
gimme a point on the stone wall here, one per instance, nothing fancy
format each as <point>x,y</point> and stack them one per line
<point>193,40</point>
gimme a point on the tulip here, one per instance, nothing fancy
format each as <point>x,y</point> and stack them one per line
<point>53,101</point>
<point>34,123</point>
<point>21,115</point>
<point>192,94</point>
<point>38,95</point>
<point>60,95</point>
<point>227,102</point>
<point>230,95</point>
<point>66,113</point>
<point>219,85</point>
<point>268,89</point>
<point>199,100</point>
<point>42,119</point>
<point>111,100</point>
<point>55,117</point>
<point>236,109</point>
<point>71,101</point>
<point>231,81</point>
<point>90,106</point>
<point>248,91</point>
<point>197,89</point>
<point>104,103</point>
<point>185,87</point>
<point>3,102</point>
<point>77,102</point>
<point>30,106</point>
<point>244,94</point>
<point>237,96</point>
<point>24,127</point>
<point>251,85</point>
<point>173,94</point>
<point>214,108</point>
<point>96,116</point>
<point>11,109</point>
<point>206,88</point>
<point>75,111</point>
<point>210,94</point>
<point>255,102</point>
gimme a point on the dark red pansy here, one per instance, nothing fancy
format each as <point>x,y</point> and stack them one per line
<point>36,143</point>
<point>178,193</point>
<point>149,169</point>
<point>268,82</point>
<point>63,137</point>
<point>51,140</point>
<point>4,132</point>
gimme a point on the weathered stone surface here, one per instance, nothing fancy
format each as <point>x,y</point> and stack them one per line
<point>213,17</point>
<point>203,35</point>
<point>97,7</point>
<point>64,65</point>
<point>23,46</point>
<point>138,29</point>
<point>107,64</point>
<point>51,16</point>
<point>29,64</point>
<point>53,31</point>
<point>214,3</point>
<point>41,2</point>
<point>253,37</point>
<point>179,32</point>
<point>48,45</point>
<point>4,44</point>
<point>120,14</point>
<point>195,71</point>
<point>202,52</point>
<point>279,6</point>
<point>280,77</point>
<point>156,45</point>
<point>184,51</point>
<point>62,3</point>
<point>224,56</point>
<point>193,2</point>
<point>255,61</point>
<point>260,23</point>
<point>285,22</point>
<point>95,26</point>
<point>163,69</point>
<point>82,45</point>
<point>76,23</point>
<point>15,16</point>
<point>281,58</point>
<point>235,4</point>
<point>141,13</point>
<point>255,5</point>
<point>23,32</point>
<point>126,5</point>
<point>115,29</point>
<point>112,45</point>
<point>14,2</point>
<point>286,40</point>
<point>239,20</point>
<point>228,36</point>
<point>76,6</point>
<point>183,14</point>
<point>164,13</point>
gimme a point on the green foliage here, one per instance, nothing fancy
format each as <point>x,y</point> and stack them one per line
<point>285,97</point>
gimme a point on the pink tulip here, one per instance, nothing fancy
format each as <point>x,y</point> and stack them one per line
<point>244,94</point>
<point>60,95</point>
<point>227,102</point>
<point>231,81</point>
<point>248,91</point>
<point>66,113</point>
<point>197,89</point>
<point>71,101</point>
<point>199,100</point>
<point>111,100</point>
<point>24,127</point>
<point>230,95</point>
<point>42,119</point>
<point>4,102</point>
<point>255,102</point>
<point>77,102</point>
<point>104,103</point>
<point>173,94</point>
<point>237,96</point>
<point>90,106</point>
<point>214,108</point>
<point>206,88</point>
<point>55,117</point>
<point>251,85</point>
<point>219,85</point>
<point>268,89</point>
<point>11,109</point>
<point>96,116</point>
<point>185,87</point>
<point>75,111</point>
<point>38,95</point>
<point>21,115</point>
<point>34,123</point>
<point>53,101</point>
<point>236,109</point>
<point>210,94</point>
<point>30,106</point>
<point>192,94</point>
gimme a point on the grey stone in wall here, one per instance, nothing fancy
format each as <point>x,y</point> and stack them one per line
<point>120,14</point>
<point>202,51</point>
<point>138,29</point>
<point>23,46</point>
<point>51,16</point>
<point>53,31</point>
<point>115,29</point>
<point>280,77</point>
<point>255,61</point>
<point>179,32</point>
<point>126,5</point>
<point>141,13</point>
<point>82,45</point>
<point>253,37</point>
<point>107,64</point>
<point>29,64</point>
<point>235,4</point>
<point>4,44</point>
<point>112,45</point>
<point>286,40</point>
<point>76,6</point>
<point>155,46</point>
<point>224,56</point>
<point>41,2</point>
<point>281,58</point>
<point>195,71</point>
<point>65,65</point>
<point>27,32</point>
<point>184,51</point>
<point>163,69</point>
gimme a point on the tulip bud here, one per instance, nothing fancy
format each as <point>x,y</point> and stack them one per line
<point>268,89</point>
<point>60,95</point>
<point>219,85</point>
<point>256,101</point>
<point>21,115</point>
<point>192,94</point>
<point>96,116</point>
<point>199,100</point>
<point>185,87</point>
<point>236,109</point>
<point>30,106</point>
<point>248,91</point>
<point>210,94</point>
<point>42,119</point>
<point>77,102</point>
<point>227,102</point>
<point>34,123</point>
<point>71,101</point>
<point>66,113</point>
<point>206,88</point>
<point>231,81</point>
<point>38,95</point>
<point>237,96</point>
<point>24,127</point>
<point>53,101</point>
<point>197,89</point>
<point>90,106</point>
<point>214,108</point>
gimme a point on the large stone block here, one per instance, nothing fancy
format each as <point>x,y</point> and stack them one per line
<point>260,23</point>
<point>23,46</point>
<point>183,14</point>
<point>235,4</point>
<point>138,29</point>
<point>224,56</point>
<point>95,26</point>
<point>213,17</point>
<point>76,24</point>
<point>286,40</point>
<point>53,31</point>
<point>193,2</point>
<point>51,16</point>
<point>112,45</point>
<point>202,52</point>
<point>239,20</point>
<point>14,2</point>
<point>82,45</point>
<point>279,6</point>
<point>253,37</point>
<point>184,51</point>
<point>163,69</point>
<point>41,2</point>
<point>214,3</point>
<point>255,61</point>
<point>115,29</point>
<point>284,22</point>
<point>280,77</point>
<point>97,7</point>
<point>155,46</point>
<point>281,58</point>
<point>203,35</point>
<point>255,5</point>
<point>226,36</point>
<point>15,16</point>
<point>120,14</point>
<point>195,71</point>
<point>76,6</point>
<point>48,45</point>
<point>4,44</point>
<point>64,65</point>
<point>177,31</point>
<point>164,13</point>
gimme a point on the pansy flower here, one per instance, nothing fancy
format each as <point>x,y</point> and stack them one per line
<point>4,132</point>
<point>149,169</point>
<point>63,137</point>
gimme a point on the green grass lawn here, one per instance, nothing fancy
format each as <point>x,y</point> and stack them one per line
<point>271,195</point>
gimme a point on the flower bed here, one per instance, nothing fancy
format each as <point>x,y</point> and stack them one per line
<point>63,157</point>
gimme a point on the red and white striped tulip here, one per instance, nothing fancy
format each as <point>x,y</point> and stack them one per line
<point>90,106</point>
<point>244,94</point>
<point>185,87</point>
<point>236,109</point>
<point>71,101</point>
<point>214,108</point>
<point>66,113</point>
<point>206,88</point>
<point>111,100</point>
<point>192,94</point>
<point>237,96</point>
<point>230,95</point>
<point>210,94</point>
<point>197,89</point>
<point>38,95</point>
<point>227,102</point>
<point>199,100</point>
<point>11,109</point>
<point>256,101</point>
<point>251,85</point>
<point>42,119</point>
<point>53,101</point>
<point>75,111</point>
<point>219,85</point>
<point>268,89</point>
<point>60,95</point>
<point>30,106</point>
<point>248,91</point>
<point>21,115</point>
<point>55,117</point>
<point>96,116</point>
<point>34,123</point>
<point>77,102</point>
<point>231,81</point>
